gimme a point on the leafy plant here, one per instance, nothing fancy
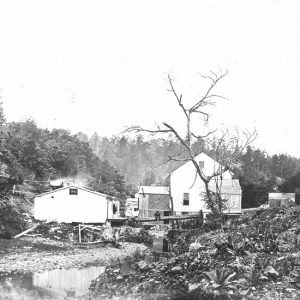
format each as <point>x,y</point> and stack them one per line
<point>220,278</point>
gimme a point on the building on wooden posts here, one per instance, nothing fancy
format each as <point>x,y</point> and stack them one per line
<point>188,190</point>
<point>75,204</point>
<point>152,199</point>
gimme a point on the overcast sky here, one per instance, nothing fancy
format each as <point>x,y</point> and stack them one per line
<point>97,66</point>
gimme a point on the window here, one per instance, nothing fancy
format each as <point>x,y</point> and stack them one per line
<point>135,209</point>
<point>186,199</point>
<point>73,191</point>
<point>201,164</point>
<point>184,213</point>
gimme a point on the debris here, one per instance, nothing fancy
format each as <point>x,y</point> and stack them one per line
<point>176,269</point>
<point>24,232</point>
<point>143,265</point>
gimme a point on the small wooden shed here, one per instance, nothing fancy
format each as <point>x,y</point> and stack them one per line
<point>75,204</point>
<point>152,199</point>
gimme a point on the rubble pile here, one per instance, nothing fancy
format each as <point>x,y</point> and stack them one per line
<point>253,257</point>
<point>91,234</point>
<point>56,231</point>
<point>159,230</point>
<point>135,235</point>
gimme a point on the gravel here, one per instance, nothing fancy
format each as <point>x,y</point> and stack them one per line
<point>37,255</point>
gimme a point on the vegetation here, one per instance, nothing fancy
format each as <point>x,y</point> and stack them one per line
<point>253,257</point>
<point>35,154</point>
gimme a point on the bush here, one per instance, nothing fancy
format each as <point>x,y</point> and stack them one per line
<point>11,219</point>
<point>212,223</point>
<point>142,237</point>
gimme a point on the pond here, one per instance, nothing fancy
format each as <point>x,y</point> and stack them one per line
<point>54,284</point>
<point>60,283</point>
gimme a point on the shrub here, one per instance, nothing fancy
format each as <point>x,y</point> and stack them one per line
<point>11,219</point>
<point>141,237</point>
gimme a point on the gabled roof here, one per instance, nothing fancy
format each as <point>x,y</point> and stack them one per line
<point>156,190</point>
<point>196,158</point>
<point>204,155</point>
<point>73,187</point>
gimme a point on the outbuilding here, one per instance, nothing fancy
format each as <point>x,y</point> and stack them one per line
<point>75,204</point>
<point>153,199</point>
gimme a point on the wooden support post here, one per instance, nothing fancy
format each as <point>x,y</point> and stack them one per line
<point>79,234</point>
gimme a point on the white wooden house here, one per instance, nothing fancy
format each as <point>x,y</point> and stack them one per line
<point>187,189</point>
<point>75,204</point>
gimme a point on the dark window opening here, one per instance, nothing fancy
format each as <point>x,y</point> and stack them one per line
<point>186,199</point>
<point>184,213</point>
<point>73,191</point>
<point>115,209</point>
<point>166,214</point>
<point>135,209</point>
<point>201,164</point>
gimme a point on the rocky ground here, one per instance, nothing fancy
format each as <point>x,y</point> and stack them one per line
<point>31,254</point>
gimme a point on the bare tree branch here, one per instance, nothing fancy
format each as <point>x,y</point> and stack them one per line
<point>200,137</point>
<point>179,98</point>
<point>227,148</point>
<point>214,81</point>
<point>169,159</point>
<point>195,178</point>
<point>137,129</point>
<point>182,141</point>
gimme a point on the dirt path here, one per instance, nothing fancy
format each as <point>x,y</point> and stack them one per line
<point>38,254</point>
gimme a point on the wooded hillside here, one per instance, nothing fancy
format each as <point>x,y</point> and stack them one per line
<point>28,152</point>
<point>117,165</point>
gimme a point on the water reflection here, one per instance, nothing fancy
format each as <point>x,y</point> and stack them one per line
<point>55,284</point>
<point>160,245</point>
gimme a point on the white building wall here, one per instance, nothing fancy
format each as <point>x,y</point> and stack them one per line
<point>86,207</point>
<point>182,181</point>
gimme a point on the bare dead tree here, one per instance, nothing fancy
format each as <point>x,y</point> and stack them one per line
<point>228,147</point>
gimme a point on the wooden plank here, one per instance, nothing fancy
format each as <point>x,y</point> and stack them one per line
<point>24,232</point>
<point>93,243</point>
<point>183,217</point>
<point>91,227</point>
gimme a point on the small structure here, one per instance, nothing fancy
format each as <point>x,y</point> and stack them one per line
<point>152,199</point>
<point>188,190</point>
<point>132,207</point>
<point>75,204</point>
<point>281,199</point>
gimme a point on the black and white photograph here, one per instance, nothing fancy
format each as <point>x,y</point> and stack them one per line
<point>149,150</point>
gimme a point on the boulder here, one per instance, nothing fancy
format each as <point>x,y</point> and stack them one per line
<point>143,265</point>
<point>176,269</point>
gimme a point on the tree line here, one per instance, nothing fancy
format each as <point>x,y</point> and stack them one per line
<point>28,152</point>
<point>141,161</point>
<point>117,165</point>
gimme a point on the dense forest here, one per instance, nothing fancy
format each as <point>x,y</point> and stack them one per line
<point>117,165</point>
<point>28,152</point>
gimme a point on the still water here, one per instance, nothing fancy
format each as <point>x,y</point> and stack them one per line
<point>55,284</point>
<point>160,245</point>
<point>61,284</point>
